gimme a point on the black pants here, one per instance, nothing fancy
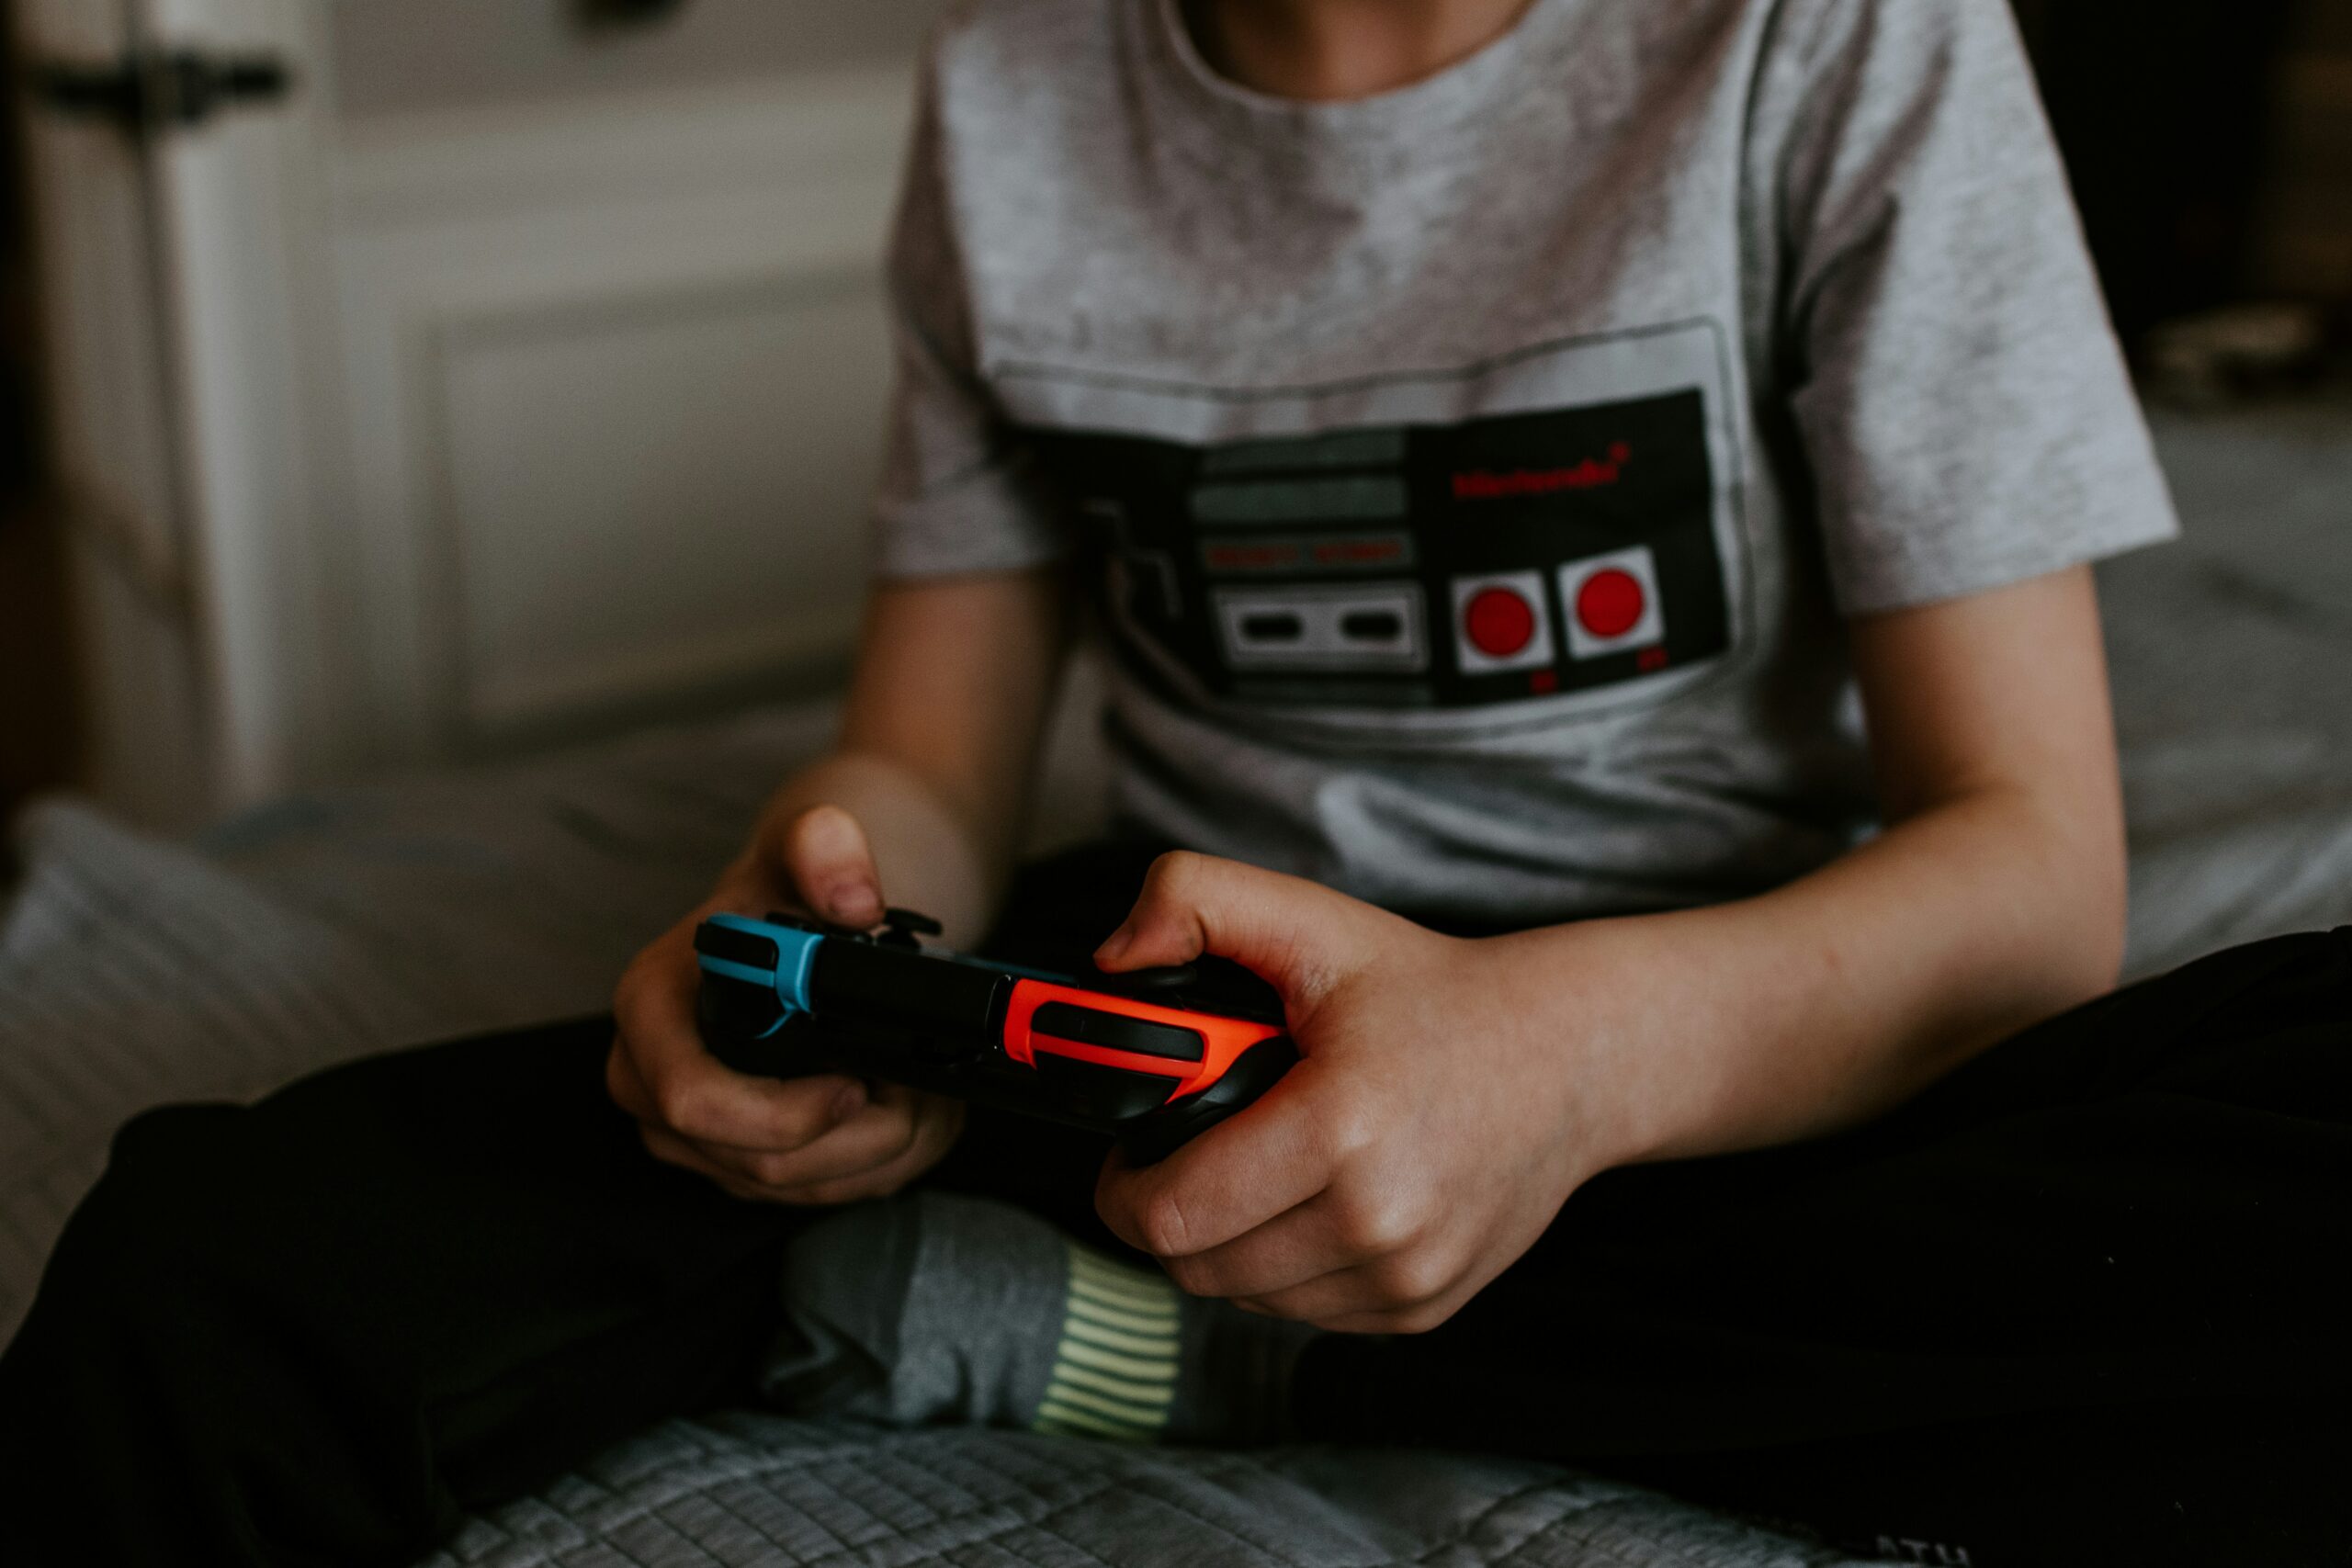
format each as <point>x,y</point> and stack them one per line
<point>2087,1301</point>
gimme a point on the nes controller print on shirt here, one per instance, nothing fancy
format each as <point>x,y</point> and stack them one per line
<point>1553,530</point>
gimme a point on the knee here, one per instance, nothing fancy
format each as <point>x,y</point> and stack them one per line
<point>175,1185</point>
<point>171,1140</point>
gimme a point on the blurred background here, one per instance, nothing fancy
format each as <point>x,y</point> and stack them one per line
<point>390,383</point>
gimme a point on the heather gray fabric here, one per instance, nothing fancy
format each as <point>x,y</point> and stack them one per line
<point>1481,469</point>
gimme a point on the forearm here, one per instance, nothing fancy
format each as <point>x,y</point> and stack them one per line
<point>1835,998</point>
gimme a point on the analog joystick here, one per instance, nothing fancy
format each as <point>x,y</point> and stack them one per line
<point>904,928</point>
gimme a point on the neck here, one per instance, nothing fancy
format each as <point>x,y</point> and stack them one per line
<point>1324,50</point>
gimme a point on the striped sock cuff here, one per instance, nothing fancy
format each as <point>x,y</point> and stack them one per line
<point>1115,1369</point>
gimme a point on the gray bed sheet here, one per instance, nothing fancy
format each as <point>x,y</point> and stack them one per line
<point>135,970</point>
<point>2231,657</point>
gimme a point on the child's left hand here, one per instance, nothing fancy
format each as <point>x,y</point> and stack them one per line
<point>1425,1140</point>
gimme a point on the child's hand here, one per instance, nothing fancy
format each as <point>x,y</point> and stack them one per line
<point>1421,1144</point>
<point>819,1140</point>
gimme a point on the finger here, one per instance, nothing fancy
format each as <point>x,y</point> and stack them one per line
<point>671,1149</point>
<point>1306,1243</point>
<point>875,1136</point>
<point>697,1098</point>
<point>1229,1181</point>
<point>687,1089</point>
<point>1417,1319</point>
<point>624,1086</point>
<point>832,866</point>
<point>1192,904</point>
<point>1352,1301</point>
<point>628,1090</point>
<point>1365,1299</point>
<point>937,1127</point>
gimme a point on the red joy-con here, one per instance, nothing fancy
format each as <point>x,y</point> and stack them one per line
<point>1223,1039</point>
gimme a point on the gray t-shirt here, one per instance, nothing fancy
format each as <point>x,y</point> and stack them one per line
<point>1477,475</point>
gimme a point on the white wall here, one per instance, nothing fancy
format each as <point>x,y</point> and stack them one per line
<point>613,360</point>
<point>500,385</point>
<point>407,56</point>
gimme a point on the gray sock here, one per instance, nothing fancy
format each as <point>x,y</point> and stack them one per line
<point>935,1308</point>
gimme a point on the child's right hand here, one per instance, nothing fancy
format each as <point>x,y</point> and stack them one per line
<point>821,1140</point>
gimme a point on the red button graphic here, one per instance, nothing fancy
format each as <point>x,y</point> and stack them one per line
<point>1499,622</point>
<point>1611,602</point>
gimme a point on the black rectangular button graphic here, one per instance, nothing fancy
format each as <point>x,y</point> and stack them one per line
<point>1115,1032</point>
<point>1353,569</point>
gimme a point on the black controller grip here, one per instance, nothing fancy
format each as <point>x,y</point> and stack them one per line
<point>1153,1136</point>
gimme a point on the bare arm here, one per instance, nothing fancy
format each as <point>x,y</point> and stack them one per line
<point>1454,1093</point>
<point>921,801</point>
<point>1993,898</point>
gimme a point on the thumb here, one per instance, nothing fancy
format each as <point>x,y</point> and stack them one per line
<point>1272,925</point>
<point>832,867</point>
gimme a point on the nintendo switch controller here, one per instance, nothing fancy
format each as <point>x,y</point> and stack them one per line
<point>1151,1058</point>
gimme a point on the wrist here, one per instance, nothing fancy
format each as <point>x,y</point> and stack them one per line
<point>1602,1011</point>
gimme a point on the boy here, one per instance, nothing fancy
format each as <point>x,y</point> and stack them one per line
<point>1499,437</point>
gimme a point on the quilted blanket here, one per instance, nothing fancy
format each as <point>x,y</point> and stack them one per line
<point>761,1490</point>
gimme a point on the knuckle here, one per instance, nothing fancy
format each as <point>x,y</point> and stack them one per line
<point>1161,1221</point>
<point>681,1103</point>
<point>1351,1124</point>
<point>1174,873</point>
<point>1408,1280</point>
<point>770,1170</point>
<point>1375,1221</point>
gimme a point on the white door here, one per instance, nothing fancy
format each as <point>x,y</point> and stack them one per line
<point>168,165</point>
<point>615,352</point>
<point>442,378</point>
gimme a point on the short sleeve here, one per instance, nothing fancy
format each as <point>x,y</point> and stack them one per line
<point>957,493</point>
<point>1958,390</point>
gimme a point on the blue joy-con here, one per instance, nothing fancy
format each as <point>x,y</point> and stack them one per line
<point>796,951</point>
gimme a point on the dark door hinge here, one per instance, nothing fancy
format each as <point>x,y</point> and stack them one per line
<point>150,91</point>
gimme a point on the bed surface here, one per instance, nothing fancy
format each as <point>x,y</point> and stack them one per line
<point>134,971</point>
<point>762,1489</point>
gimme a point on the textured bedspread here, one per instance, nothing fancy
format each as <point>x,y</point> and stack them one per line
<point>134,971</point>
<point>754,1489</point>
